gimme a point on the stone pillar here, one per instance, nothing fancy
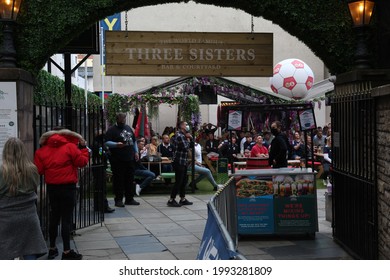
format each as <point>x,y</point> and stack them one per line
<point>382,95</point>
<point>21,82</point>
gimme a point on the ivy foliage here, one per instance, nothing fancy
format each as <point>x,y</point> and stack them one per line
<point>44,27</point>
<point>116,103</point>
<point>128,103</point>
<point>50,90</point>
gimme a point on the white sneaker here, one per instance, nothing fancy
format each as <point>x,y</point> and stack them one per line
<point>220,186</point>
<point>137,189</point>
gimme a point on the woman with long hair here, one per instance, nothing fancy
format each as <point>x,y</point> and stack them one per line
<point>20,232</point>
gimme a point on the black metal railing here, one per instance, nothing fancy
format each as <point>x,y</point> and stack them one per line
<point>355,224</point>
<point>89,123</point>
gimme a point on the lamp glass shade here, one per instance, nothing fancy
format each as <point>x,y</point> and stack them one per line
<point>361,12</point>
<point>9,9</point>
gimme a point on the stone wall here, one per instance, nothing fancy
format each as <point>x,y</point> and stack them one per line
<point>382,95</point>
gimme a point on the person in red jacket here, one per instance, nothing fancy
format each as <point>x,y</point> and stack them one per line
<point>62,152</point>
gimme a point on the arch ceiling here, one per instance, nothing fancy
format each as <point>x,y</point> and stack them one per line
<point>324,26</point>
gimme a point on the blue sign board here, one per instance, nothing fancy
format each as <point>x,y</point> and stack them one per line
<point>110,23</point>
<point>255,215</point>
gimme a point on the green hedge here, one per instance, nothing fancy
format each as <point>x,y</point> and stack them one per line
<point>50,89</point>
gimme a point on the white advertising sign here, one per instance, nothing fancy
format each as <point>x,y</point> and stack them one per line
<point>235,120</point>
<point>8,113</point>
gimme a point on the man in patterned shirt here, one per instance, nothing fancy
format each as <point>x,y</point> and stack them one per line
<point>182,143</point>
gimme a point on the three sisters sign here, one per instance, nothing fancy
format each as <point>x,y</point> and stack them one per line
<point>189,54</point>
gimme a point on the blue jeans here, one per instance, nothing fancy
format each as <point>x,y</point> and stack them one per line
<point>204,173</point>
<point>148,176</point>
<point>166,167</point>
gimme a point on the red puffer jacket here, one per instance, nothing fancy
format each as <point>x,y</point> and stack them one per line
<point>59,157</point>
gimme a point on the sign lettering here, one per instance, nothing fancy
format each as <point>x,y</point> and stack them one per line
<point>188,54</point>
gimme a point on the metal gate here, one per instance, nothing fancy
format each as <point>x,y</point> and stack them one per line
<point>355,208</point>
<point>90,124</point>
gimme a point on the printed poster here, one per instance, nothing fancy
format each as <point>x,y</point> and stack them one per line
<point>307,120</point>
<point>235,120</point>
<point>255,215</point>
<point>255,207</point>
<point>8,113</point>
<point>296,214</point>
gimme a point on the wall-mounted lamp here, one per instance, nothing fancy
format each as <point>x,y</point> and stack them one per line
<point>361,12</point>
<point>9,10</point>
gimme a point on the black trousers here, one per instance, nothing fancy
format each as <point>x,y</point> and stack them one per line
<point>181,179</point>
<point>123,179</point>
<point>62,202</point>
<point>100,192</point>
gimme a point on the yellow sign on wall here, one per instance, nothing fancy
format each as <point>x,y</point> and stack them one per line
<point>137,53</point>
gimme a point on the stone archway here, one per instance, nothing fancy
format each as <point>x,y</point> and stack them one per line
<point>324,26</point>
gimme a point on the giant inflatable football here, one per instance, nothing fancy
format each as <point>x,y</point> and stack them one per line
<point>292,78</point>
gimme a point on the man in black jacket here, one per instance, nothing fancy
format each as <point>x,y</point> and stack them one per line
<point>278,153</point>
<point>124,153</point>
<point>212,144</point>
<point>166,149</point>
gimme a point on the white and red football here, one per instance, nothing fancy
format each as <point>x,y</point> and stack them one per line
<point>292,78</point>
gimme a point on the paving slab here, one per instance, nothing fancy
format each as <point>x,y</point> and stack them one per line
<point>104,244</point>
<point>184,248</point>
<point>130,232</point>
<point>156,232</point>
<point>183,217</point>
<point>125,226</point>
<point>154,214</point>
<point>97,236</point>
<point>163,226</point>
<point>166,255</point>
<point>154,220</point>
<point>143,248</point>
<point>172,240</point>
<point>141,239</point>
<point>169,232</point>
<point>110,221</point>
<point>120,212</point>
<point>186,255</point>
<point>247,250</point>
<point>101,252</point>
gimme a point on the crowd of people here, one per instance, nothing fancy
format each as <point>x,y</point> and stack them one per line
<point>176,144</point>
<point>63,151</point>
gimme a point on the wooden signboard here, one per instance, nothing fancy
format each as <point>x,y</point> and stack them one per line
<point>189,54</point>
